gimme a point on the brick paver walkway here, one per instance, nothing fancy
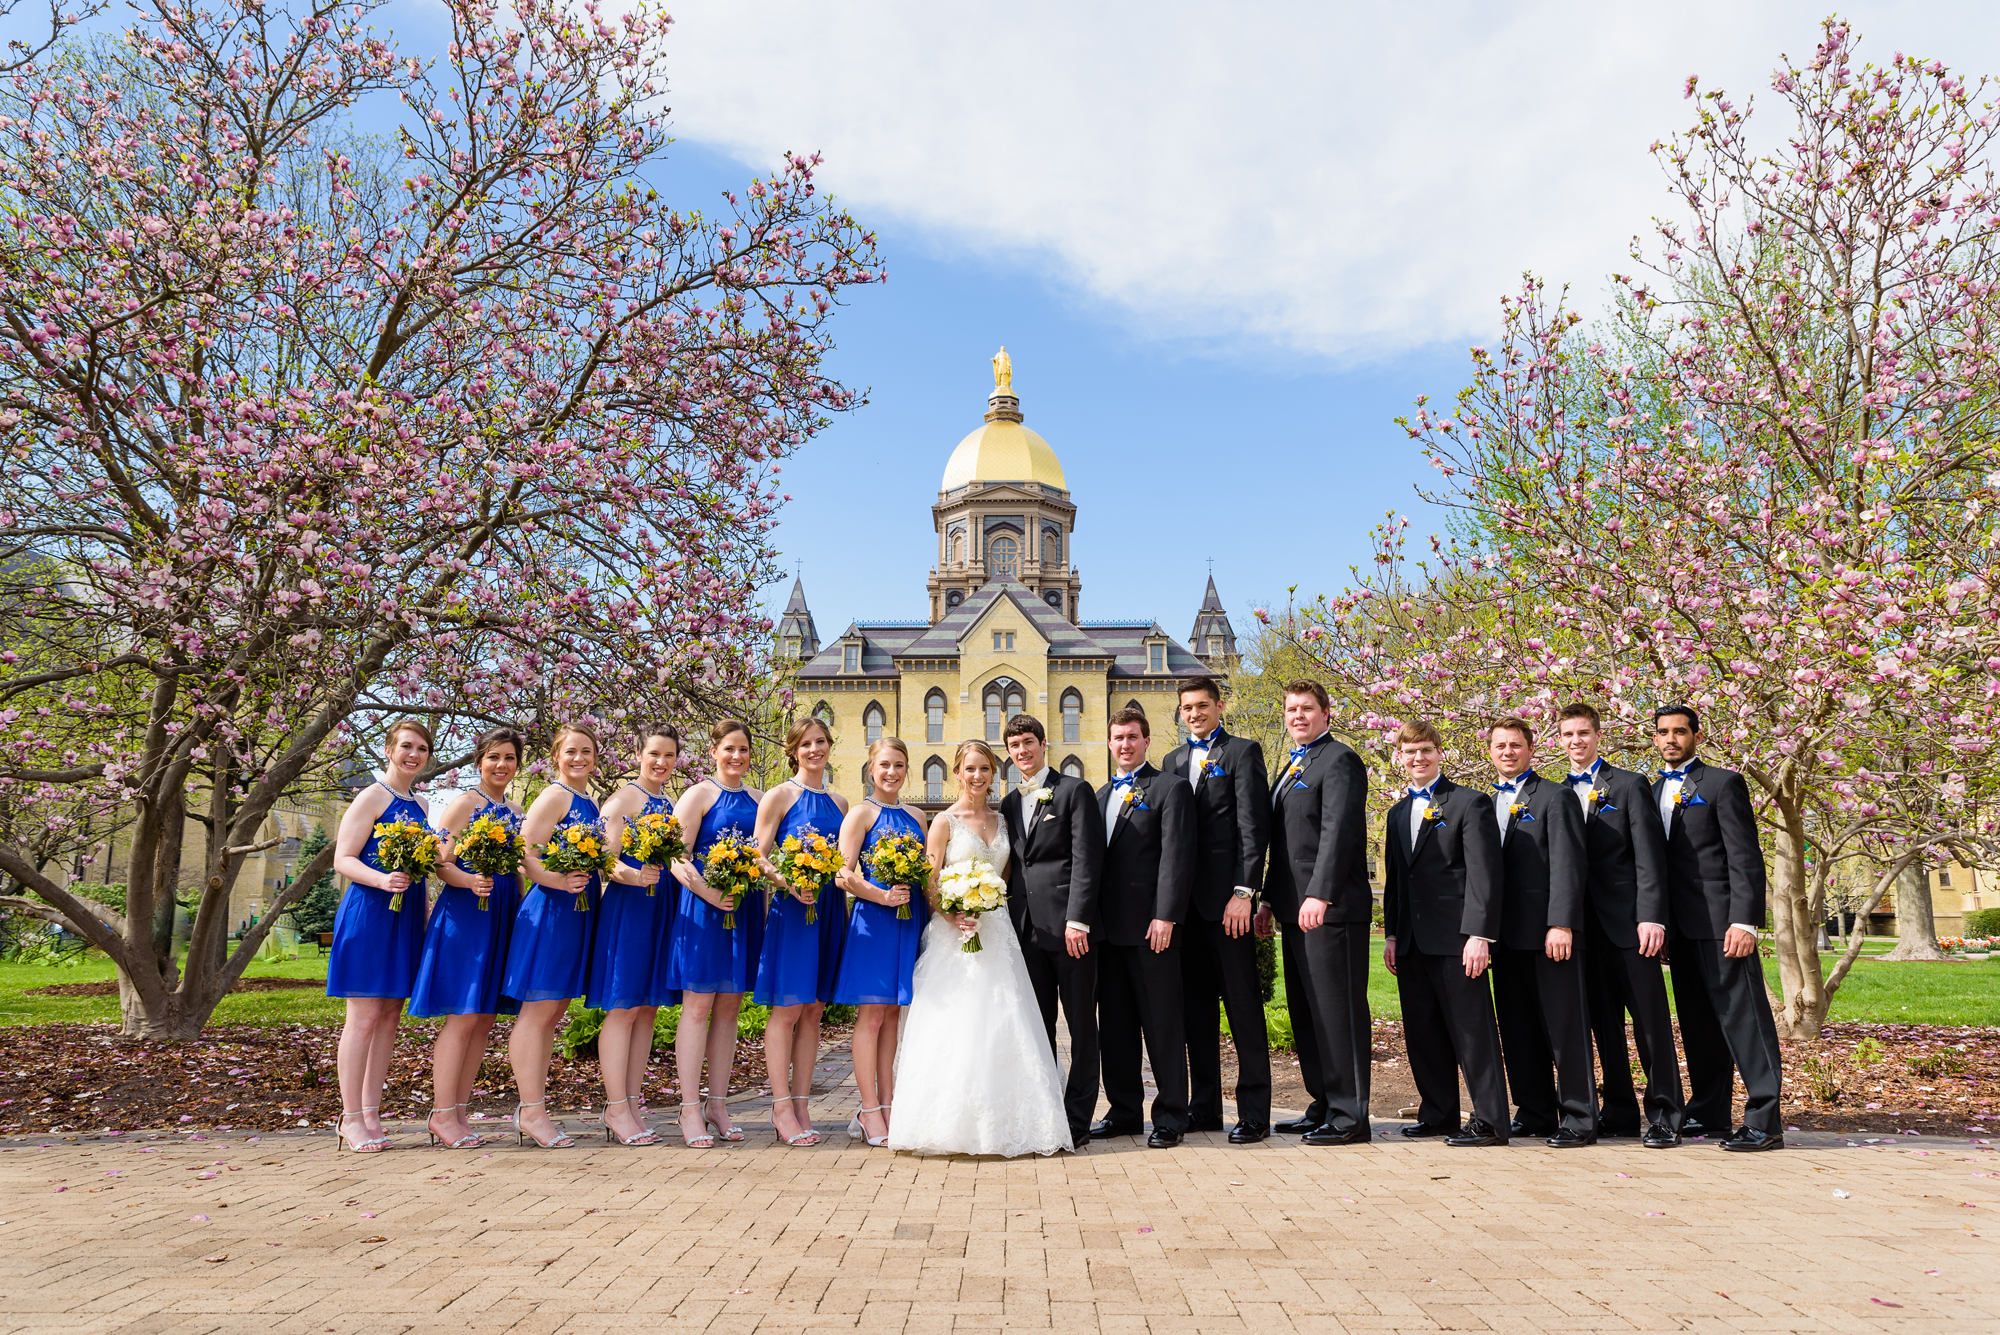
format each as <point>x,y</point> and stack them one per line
<point>281,1234</point>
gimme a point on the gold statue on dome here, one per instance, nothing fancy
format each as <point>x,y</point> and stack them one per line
<point>1003,372</point>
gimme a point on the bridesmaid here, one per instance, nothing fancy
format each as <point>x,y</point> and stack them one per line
<point>373,961</point>
<point>711,964</point>
<point>629,936</point>
<point>547,958</point>
<point>465,947</point>
<point>879,955</point>
<point>796,967</point>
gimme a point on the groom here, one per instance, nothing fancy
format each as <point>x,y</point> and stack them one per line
<point>1057,835</point>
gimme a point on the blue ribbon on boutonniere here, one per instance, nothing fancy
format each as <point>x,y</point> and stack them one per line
<point>1685,798</point>
<point>1521,812</point>
<point>1211,769</point>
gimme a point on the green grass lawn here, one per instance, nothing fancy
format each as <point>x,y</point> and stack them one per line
<point>291,1006</point>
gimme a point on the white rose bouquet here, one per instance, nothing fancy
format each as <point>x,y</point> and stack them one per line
<point>971,887</point>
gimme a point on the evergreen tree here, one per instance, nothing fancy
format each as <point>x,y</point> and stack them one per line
<point>314,913</point>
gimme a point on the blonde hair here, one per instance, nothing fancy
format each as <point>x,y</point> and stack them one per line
<point>796,738</point>
<point>958,761</point>
<point>882,744</point>
<point>581,730</point>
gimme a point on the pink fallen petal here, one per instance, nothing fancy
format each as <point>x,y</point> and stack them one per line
<point>1882,1303</point>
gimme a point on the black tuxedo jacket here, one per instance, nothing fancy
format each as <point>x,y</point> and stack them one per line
<point>1448,887</point>
<point>1058,851</point>
<point>1232,820</point>
<point>1149,861</point>
<point>1543,864</point>
<point>1715,866</point>
<point>1628,853</point>
<point>1319,837</point>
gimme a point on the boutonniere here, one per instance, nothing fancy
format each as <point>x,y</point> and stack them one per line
<point>1600,799</point>
<point>1042,795</point>
<point>1135,800</point>
<point>1433,814</point>
<point>1212,769</point>
<point>1521,812</point>
<point>1689,798</point>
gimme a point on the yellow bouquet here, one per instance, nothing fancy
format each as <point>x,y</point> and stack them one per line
<point>898,859</point>
<point>809,863</point>
<point>410,847</point>
<point>731,871</point>
<point>579,846</point>
<point>490,846</point>
<point>654,840</point>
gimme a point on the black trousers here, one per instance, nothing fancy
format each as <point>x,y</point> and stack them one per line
<point>1620,979</point>
<point>1139,994</point>
<point>1215,965</point>
<point>1727,1029</point>
<point>1057,976</point>
<point>1544,1011</point>
<point>1448,1027</point>
<point>1326,991</point>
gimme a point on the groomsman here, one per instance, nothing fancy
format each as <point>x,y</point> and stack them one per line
<point>1624,935</point>
<point>1441,915</point>
<point>1316,886</point>
<point>1232,817</point>
<point>1715,903</point>
<point>1057,835</point>
<point>1539,993</point>
<point>1142,897</point>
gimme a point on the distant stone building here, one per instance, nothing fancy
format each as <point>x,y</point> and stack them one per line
<point>1004,634</point>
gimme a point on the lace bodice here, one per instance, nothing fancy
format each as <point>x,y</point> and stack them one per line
<point>966,843</point>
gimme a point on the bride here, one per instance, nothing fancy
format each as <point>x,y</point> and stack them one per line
<point>974,1074</point>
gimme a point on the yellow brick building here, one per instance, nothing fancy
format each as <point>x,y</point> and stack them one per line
<point>1003,635</point>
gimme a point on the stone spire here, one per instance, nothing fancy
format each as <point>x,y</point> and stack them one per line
<point>796,637</point>
<point>1213,639</point>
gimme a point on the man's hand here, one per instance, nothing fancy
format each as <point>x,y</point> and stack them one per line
<point>1739,943</point>
<point>1236,916</point>
<point>1475,957</point>
<point>1557,944</point>
<point>1159,935</point>
<point>1389,953</point>
<point>1652,938</point>
<point>1267,925</point>
<point>1312,912</point>
<point>1078,942</point>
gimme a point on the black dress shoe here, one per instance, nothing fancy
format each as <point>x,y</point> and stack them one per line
<point>1357,1134</point>
<point>1691,1129</point>
<point>1107,1128</point>
<point>1745,1141</point>
<point>1521,1130</point>
<point>1475,1134</point>
<point>1205,1124</point>
<point>1660,1136</point>
<point>1245,1134</point>
<point>1566,1139</point>
<point>1163,1140</point>
<point>1424,1130</point>
<point>1300,1125</point>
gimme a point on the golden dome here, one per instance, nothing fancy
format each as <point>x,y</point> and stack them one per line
<point>1003,451</point>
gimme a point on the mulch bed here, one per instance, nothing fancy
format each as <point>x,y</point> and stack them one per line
<point>109,987</point>
<point>84,1077</point>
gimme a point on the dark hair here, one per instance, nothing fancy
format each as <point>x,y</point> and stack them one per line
<point>1192,684</point>
<point>1513,723</point>
<point>666,730</point>
<point>1307,686</point>
<point>1132,714</point>
<point>1025,725</point>
<point>796,738</point>
<point>1417,731</point>
<point>1694,719</point>
<point>403,725</point>
<point>1579,710</point>
<point>723,727</point>
<point>500,736</point>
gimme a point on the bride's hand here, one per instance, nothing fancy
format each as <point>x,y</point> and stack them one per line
<point>896,896</point>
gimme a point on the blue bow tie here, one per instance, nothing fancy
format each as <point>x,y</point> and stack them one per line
<point>1575,779</point>
<point>1206,742</point>
<point>1300,752</point>
<point>1671,774</point>
<point>1505,787</point>
<point>1424,793</point>
<point>1125,782</point>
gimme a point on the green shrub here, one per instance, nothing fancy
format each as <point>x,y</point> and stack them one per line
<point>1267,965</point>
<point>578,1038</point>
<point>838,1014</point>
<point>314,913</point>
<point>111,894</point>
<point>1278,1024</point>
<point>1982,922</point>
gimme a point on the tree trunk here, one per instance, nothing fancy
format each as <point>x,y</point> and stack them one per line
<point>1802,1006</point>
<point>1916,929</point>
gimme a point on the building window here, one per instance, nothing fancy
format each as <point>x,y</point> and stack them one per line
<point>934,717</point>
<point>958,549</point>
<point>872,720</point>
<point>1003,557</point>
<point>1156,658</point>
<point>1002,699</point>
<point>1051,547</point>
<point>850,658</point>
<point>954,597</point>
<point>1053,598</point>
<point>1003,639</point>
<point>1010,779</point>
<point>1944,880</point>
<point>1072,716</point>
<point>933,780</point>
<point>1073,767</point>
<point>824,713</point>
<point>1134,704</point>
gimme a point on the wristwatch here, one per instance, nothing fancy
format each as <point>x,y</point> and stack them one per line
<point>1243,892</point>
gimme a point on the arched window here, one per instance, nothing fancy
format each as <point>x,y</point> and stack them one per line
<point>957,548</point>
<point>1002,699</point>
<point>1073,767</point>
<point>824,713</point>
<point>1010,779</point>
<point>1003,558</point>
<point>1072,715</point>
<point>934,780</point>
<point>1134,704</point>
<point>872,721</point>
<point>934,716</point>
<point>1051,547</point>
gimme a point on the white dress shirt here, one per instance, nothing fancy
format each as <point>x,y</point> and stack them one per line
<point>1030,814</point>
<point>1503,803</point>
<point>1117,804</point>
<point>1582,790</point>
<point>1420,801</point>
<point>1670,793</point>
<point>1198,756</point>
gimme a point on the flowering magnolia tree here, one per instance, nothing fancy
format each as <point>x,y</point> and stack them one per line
<point>1765,488</point>
<point>303,428</point>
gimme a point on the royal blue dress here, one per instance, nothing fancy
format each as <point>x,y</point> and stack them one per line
<point>797,964</point>
<point>879,956</point>
<point>625,958</point>
<point>375,950</point>
<point>550,952</point>
<point>465,947</point>
<point>705,956</point>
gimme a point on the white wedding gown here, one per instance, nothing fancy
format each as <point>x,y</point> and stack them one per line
<point>974,1074</point>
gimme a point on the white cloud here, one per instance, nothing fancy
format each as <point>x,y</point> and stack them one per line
<point>1346,180</point>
